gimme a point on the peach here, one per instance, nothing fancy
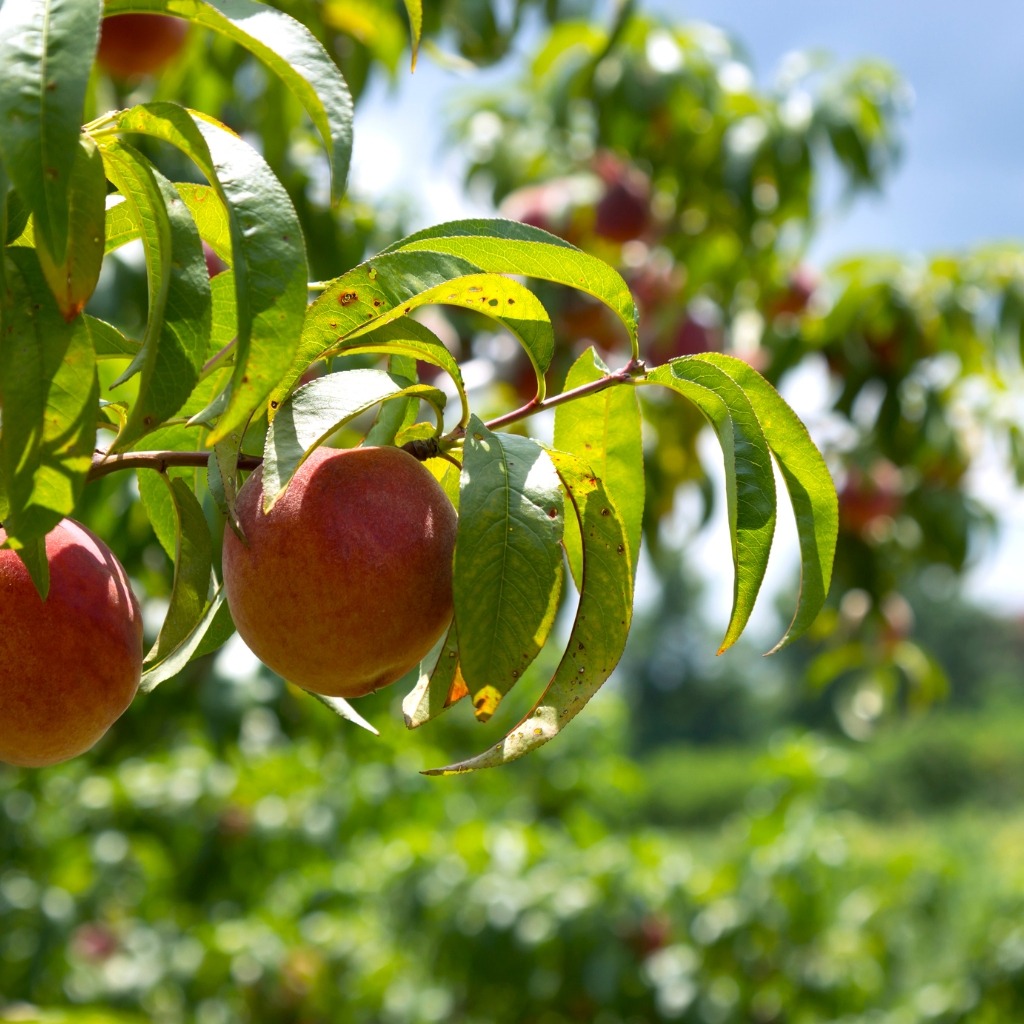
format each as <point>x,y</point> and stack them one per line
<point>139,44</point>
<point>69,665</point>
<point>347,582</point>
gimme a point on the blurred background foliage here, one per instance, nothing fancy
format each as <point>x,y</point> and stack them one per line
<point>717,840</point>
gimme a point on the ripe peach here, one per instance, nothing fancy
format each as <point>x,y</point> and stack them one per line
<point>69,665</point>
<point>347,582</point>
<point>139,44</point>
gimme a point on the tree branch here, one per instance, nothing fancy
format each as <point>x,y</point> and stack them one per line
<point>161,461</point>
<point>632,369</point>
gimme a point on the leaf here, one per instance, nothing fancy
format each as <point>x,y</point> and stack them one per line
<point>414,8</point>
<point>191,647</point>
<point>437,690</point>
<point>203,202</point>
<point>46,53</point>
<point>290,51</point>
<point>193,562</point>
<point>508,302</point>
<point>363,294</point>
<point>210,215</point>
<point>156,498</point>
<point>599,632</point>
<point>508,560</point>
<point>108,341</point>
<point>33,556</point>
<point>268,255</point>
<point>399,414</point>
<point>178,323</point>
<point>343,709</point>
<point>507,247</point>
<point>749,477</point>
<point>49,395</point>
<point>604,431</point>
<point>222,479</point>
<point>316,410</point>
<point>217,631</point>
<point>410,338</point>
<point>73,275</point>
<point>808,482</point>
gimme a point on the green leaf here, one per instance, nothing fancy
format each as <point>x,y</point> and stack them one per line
<point>210,215</point>
<point>268,255</point>
<point>156,498</point>
<point>343,709</point>
<point>203,202</point>
<point>108,341</point>
<point>604,431</point>
<point>49,395</point>
<point>400,414</point>
<point>437,690</point>
<point>508,560</point>
<point>46,54</point>
<point>178,324</point>
<point>290,51</point>
<point>508,302</point>
<point>191,647</point>
<point>222,479</point>
<point>409,337</point>
<point>72,277</point>
<point>507,247</point>
<point>193,562</point>
<point>808,482</point>
<point>598,635</point>
<point>749,477</point>
<point>414,8</point>
<point>217,630</point>
<point>33,555</point>
<point>367,293</point>
<point>315,411</point>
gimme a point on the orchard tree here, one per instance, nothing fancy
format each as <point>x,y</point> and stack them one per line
<point>650,144</point>
<point>348,416</point>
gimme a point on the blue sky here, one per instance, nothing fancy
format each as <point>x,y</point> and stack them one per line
<point>961,180</point>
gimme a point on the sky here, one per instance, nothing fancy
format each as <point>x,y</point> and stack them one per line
<point>960,182</point>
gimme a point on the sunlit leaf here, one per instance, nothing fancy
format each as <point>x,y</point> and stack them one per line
<point>343,709</point>
<point>178,323</point>
<point>502,299</point>
<point>363,298</point>
<point>289,50</point>
<point>268,254</point>
<point>507,247</point>
<point>410,338</point>
<point>414,8</point>
<point>604,431</point>
<point>316,410</point>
